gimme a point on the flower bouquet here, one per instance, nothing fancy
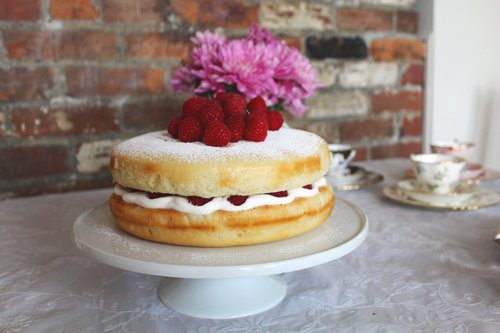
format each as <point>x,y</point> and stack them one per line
<point>257,65</point>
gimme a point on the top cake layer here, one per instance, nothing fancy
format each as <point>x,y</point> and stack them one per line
<point>156,162</point>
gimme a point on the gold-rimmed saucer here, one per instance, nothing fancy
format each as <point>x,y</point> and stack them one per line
<point>368,178</point>
<point>483,198</point>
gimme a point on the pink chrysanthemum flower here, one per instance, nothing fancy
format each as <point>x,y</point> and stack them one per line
<point>258,65</point>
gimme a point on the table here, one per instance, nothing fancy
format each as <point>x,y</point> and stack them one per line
<point>418,271</point>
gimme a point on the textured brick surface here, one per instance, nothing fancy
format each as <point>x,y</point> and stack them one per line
<point>32,161</point>
<point>210,13</point>
<point>397,150</point>
<point>327,104</point>
<point>78,76</point>
<point>365,74</point>
<point>407,22</point>
<point>89,81</point>
<point>296,15</point>
<point>398,49</point>
<point>336,47</point>
<point>361,154</point>
<point>82,184</point>
<point>94,156</point>
<point>155,45</point>
<point>412,126</point>
<point>57,121</point>
<point>327,72</point>
<point>20,10</point>
<point>60,45</point>
<point>366,129</point>
<point>390,3</point>
<point>73,10</point>
<point>397,101</point>
<point>361,19</point>
<point>413,74</point>
<point>21,84</point>
<point>151,114</point>
<point>324,128</point>
<point>134,11</point>
<point>2,123</point>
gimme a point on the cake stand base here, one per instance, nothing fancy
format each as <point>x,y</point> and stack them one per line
<point>222,298</point>
<point>236,281</point>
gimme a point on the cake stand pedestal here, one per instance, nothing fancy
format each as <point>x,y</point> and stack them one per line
<point>221,283</point>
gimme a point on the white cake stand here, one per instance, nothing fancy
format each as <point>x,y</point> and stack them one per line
<point>220,283</point>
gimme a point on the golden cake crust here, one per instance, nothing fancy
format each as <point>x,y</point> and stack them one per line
<point>155,162</point>
<point>223,228</point>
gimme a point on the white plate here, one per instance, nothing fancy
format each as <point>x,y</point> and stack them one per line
<point>97,236</point>
<point>483,198</point>
<point>414,190</point>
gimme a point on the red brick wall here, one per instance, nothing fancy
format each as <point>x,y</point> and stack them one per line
<point>78,76</point>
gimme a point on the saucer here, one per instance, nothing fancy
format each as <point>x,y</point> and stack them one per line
<point>356,178</point>
<point>473,173</point>
<point>481,198</point>
<point>351,174</point>
<point>414,190</point>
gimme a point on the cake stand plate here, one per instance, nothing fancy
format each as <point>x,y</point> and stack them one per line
<point>219,283</point>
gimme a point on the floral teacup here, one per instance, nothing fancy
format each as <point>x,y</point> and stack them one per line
<point>341,155</point>
<point>453,147</point>
<point>438,173</point>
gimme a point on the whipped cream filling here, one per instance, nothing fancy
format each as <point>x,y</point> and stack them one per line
<point>182,204</point>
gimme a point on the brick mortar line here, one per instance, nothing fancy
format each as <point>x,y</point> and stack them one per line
<point>7,121</point>
<point>166,63</point>
<point>164,27</point>
<point>64,140</point>
<point>63,179</point>
<point>385,141</point>
<point>169,62</point>
<point>44,12</point>
<point>374,89</point>
<point>3,50</point>
<point>89,101</point>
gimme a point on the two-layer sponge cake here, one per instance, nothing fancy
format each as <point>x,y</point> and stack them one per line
<point>190,193</point>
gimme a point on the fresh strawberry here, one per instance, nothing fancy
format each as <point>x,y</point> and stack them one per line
<point>210,111</point>
<point>190,129</point>
<point>274,120</point>
<point>234,105</point>
<point>173,126</point>
<point>217,134</point>
<point>220,96</point>
<point>198,201</point>
<point>279,194</point>
<point>237,200</point>
<point>193,105</point>
<point>255,129</point>
<point>237,126</point>
<point>257,105</point>
<point>308,187</point>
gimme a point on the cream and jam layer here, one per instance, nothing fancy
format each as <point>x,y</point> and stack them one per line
<point>203,206</point>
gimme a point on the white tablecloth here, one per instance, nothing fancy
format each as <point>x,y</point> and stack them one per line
<point>418,271</point>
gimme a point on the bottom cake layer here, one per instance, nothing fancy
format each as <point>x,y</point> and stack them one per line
<point>224,228</point>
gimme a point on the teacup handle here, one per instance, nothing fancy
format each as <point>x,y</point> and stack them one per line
<point>351,156</point>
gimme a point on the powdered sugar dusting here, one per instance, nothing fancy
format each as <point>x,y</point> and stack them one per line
<point>283,143</point>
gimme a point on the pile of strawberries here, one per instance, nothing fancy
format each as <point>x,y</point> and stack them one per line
<point>227,118</point>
